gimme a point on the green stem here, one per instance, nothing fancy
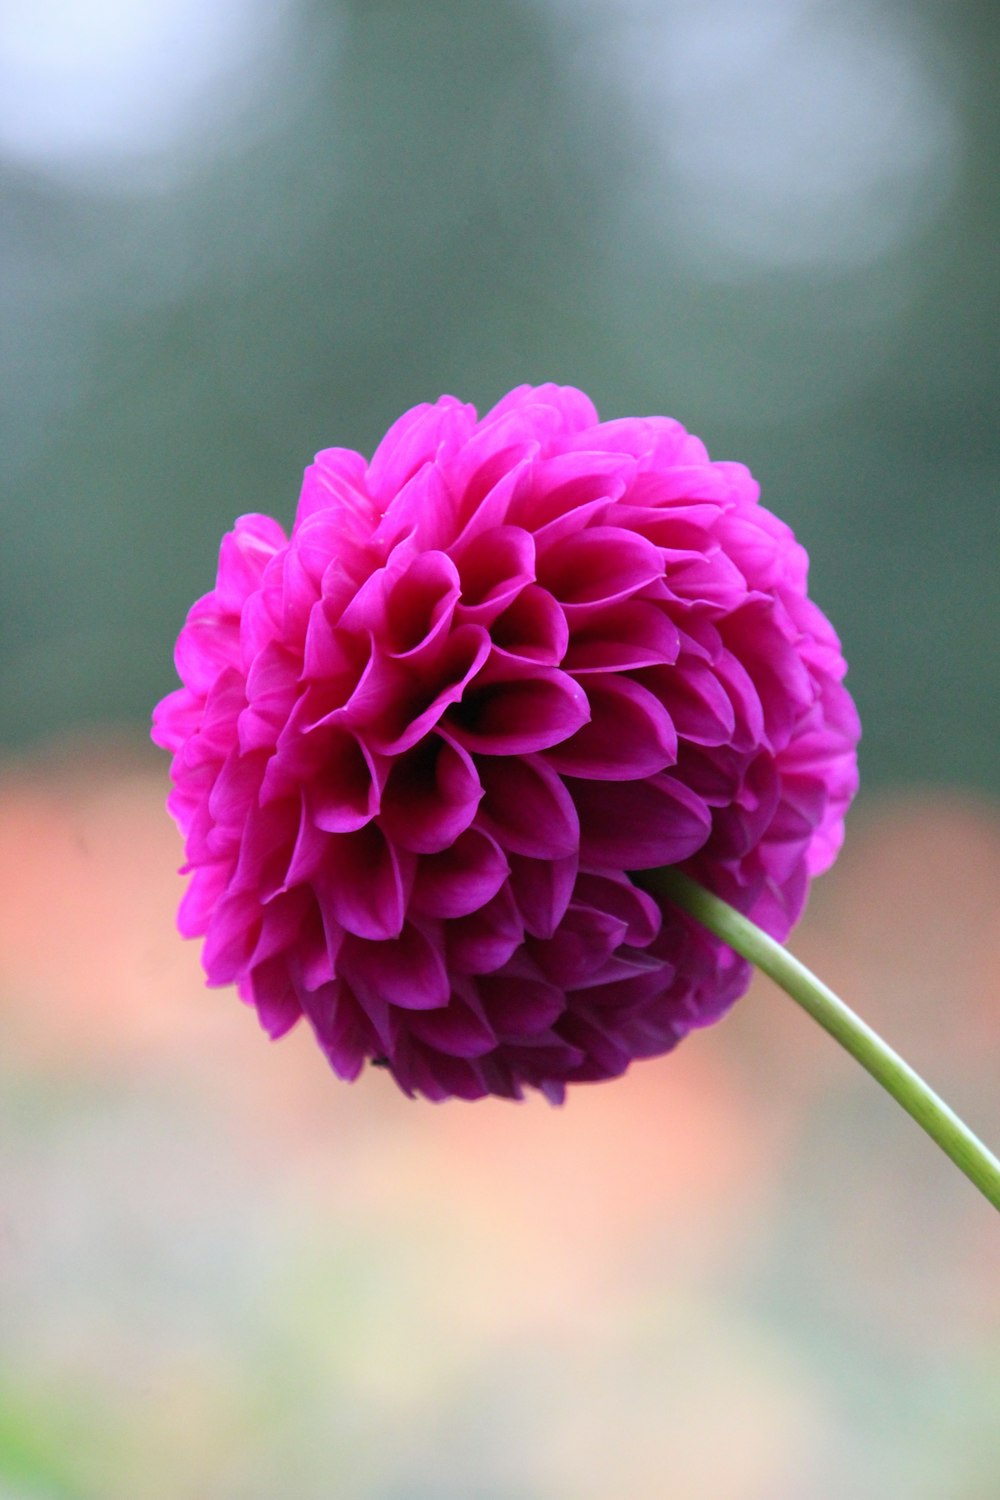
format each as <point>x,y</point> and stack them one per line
<point>886,1066</point>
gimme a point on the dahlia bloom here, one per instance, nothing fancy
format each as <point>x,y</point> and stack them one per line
<point>428,743</point>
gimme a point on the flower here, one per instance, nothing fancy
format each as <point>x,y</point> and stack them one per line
<point>428,742</point>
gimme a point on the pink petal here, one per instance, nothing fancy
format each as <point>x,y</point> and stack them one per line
<point>585,940</point>
<point>460,879</point>
<point>360,884</point>
<point>411,712</point>
<point>420,603</point>
<point>527,808</point>
<point>695,699</point>
<point>407,970</point>
<point>617,895</point>
<point>413,440</point>
<point>598,566</point>
<point>639,825</point>
<point>342,1029</point>
<point>458,1029</point>
<point>431,796</point>
<point>336,481</point>
<point>274,997</point>
<point>542,889</point>
<point>243,556</point>
<point>630,734</point>
<point>205,648</point>
<point>532,628</point>
<point>484,940</point>
<point>630,634</point>
<point>520,1008</point>
<point>519,711</point>
<point>494,568</point>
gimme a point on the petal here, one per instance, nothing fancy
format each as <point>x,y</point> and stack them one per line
<point>342,1029</point>
<point>532,628</point>
<point>344,794</point>
<point>273,994</point>
<point>617,895</point>
<point>520,1008</point>
<point>410,709</point>
<point>639,825</point>
<point>542,889</point>
<point>360,884</point>
<point>514,709</point>
<point>206,647</point>
<point>527,808</point>
<point>419,603</point>
<point>621,637</point>
<point>243,555</point>
<point>585,940</point>
<point>414,439</point>
<point>431,796</point>
<point>571,411</point>
<point>630,734</point>
<point>460,879</point>
<point>598,566</point>
<point>459,1028</point>
<point>484,940</point>
<point>695,699</point>
<point>494,568</point>
<point>335,483</point>
<point>407,970</point>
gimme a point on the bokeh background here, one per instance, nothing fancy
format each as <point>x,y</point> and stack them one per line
<point>234,232</point>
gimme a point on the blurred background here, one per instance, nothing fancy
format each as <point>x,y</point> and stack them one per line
<point>237,231</point>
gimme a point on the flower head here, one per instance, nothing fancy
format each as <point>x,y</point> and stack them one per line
<point>428,742</point>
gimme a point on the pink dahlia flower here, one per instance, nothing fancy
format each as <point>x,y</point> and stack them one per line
<point>428,742</point>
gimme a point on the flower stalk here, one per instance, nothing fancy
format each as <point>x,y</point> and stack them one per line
<point>906,1086</point>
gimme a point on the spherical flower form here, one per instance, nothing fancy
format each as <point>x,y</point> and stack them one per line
<point>428,743</point>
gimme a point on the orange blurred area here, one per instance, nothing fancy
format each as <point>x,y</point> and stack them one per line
<point>739,1273</point>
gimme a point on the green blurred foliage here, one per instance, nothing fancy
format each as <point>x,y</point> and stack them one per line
<point>444,197</point>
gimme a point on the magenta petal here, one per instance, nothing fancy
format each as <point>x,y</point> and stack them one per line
<point>585,940</point>
<point>696,700</point>
<point>237,787</point>
<point>532,628</point>
<point>630,734</point>
<point>344,795</point>
<point>407,970</point>
<point>431,797</point>
<point>542,889</point>
<point>617,895</point>
<point>272,993</point>
<point>243,556</point>
<point>519,714</point>
<point>633,633</point>
<point>494,568</point>
<point>361,885</point>
<point>232,938</point>
<point>205,648</point>
<point>460,879</point>
<point>520,1007</point>
<point>342,1029</point>
<point>411,711</point>
<point>483,941</point>
<point>598,566</point>
<point>336,481</point>
<point>527,808</point>
<point>639,825</point>
<point>420,603</point>
<point>201,898</point>
<point>459,1029</point>
<point>413,440</point>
